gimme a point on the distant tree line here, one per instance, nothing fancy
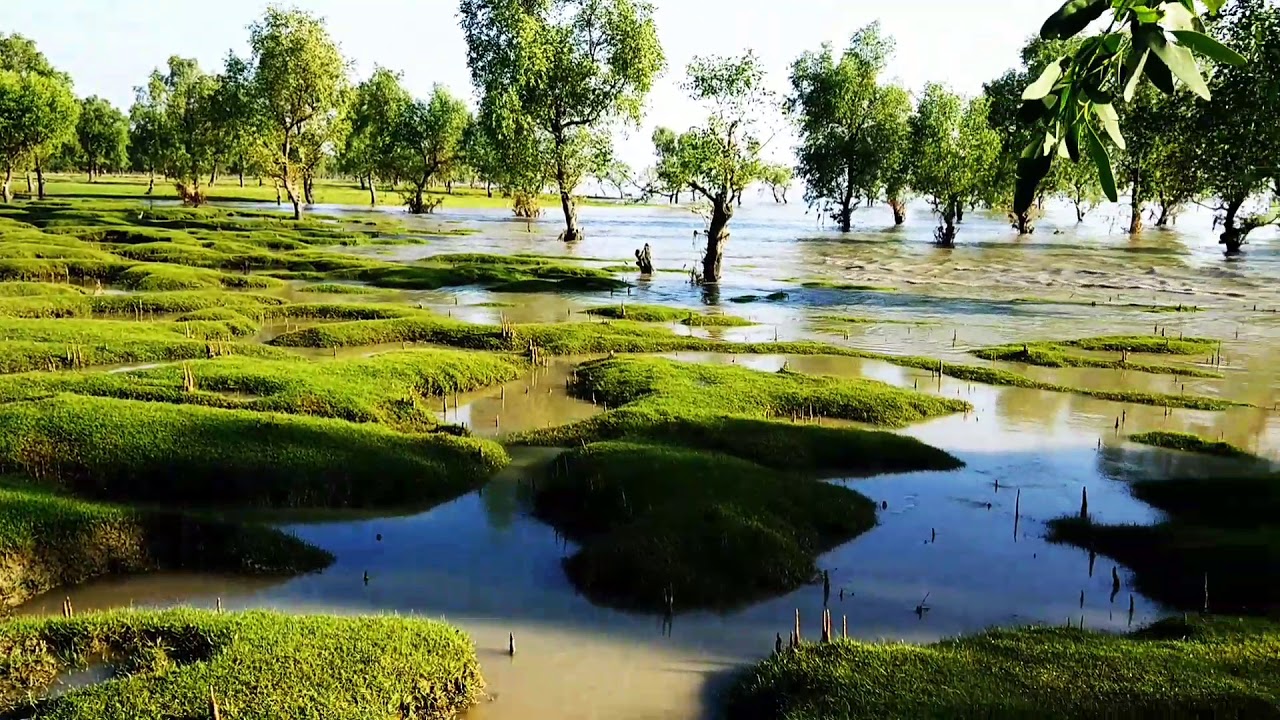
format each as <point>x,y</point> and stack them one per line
<point>555,80</point>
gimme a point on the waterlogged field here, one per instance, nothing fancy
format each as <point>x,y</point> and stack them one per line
<point>637,483</point>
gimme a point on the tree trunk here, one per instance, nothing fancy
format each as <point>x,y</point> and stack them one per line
<point>293,198</point>
<point>362,186</point>
<point>959,212</point>
<point>1135,205</point>
<point>1080,211</point>
<point>5,195</point>
<point>28,183</point>
<point>213,177</point>
<point>373,191</point>
<point>90,171</point>
<point>308,187</point>
<point>240,173</point>
<point>717,238</point>
<point>1023,222</point>
<point>571,232</point>
<point>1232,234</point>
<point>846,205</point>
<point>39,181</point>
<point>151,182</point>
<point>488,188</point>
<point>899,211</point>
<point>448,186</point>
<point>945,234</point>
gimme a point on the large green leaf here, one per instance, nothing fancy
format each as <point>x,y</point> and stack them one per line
<point>1213,5</point>
<point>1204,45</point>
<point>1100,158</point>
<point>1044,84</point>
<point>1110,122</point>
<point>1072,17</point>
<point>1135,77</point>
<point>1032,168</point>
<point>1179,60</point>
<point>1159,74</point>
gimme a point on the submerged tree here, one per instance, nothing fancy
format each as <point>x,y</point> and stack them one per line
<point>103,134</point>
<point>428,143</point>
<point>1239,132</point>
<point>299,83</point>
<point>721,158</point>
<point>956,152</point>
<point>38,110</point>
<point>564,69</point>
<point>374,113</point>
<point>778,178</point>
<point>852,127</point>
<point>671,171</point>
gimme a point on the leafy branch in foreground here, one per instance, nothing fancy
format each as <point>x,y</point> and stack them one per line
<point>1074,100</point>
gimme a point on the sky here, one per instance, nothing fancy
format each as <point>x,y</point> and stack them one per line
<point>110,46</point>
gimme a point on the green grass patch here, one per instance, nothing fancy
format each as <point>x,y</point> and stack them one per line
<point>771,297</point>
<point>1190,443</point>
<point>49,541</point>
<point>1207,668</point>
<point>1152,344</point>
<point>714,530</point>
<point>853,287</point>
<point>1223,529</point>
<point>338,289</point>
<point>399,389</point>
<point>688,484</point>
<point>127,450</point>
<point>1051,355</point>
<point>257,664</point>
<point>663,314</point>
<point>32,289</point>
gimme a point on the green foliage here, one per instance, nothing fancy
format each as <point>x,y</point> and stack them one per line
<point>1189,443</point>
<point>103,132</point>
<point>551,75</point>
<point>853,128</point>
<point>362,668</point>
<point>1074,100</point>
<point>38,111</point>
<point>427,143</point>
<point>660,313</point>
<point>337,289</point>
<point>955,155</point>
<point>182,103</point>
<point>133,451</point>
<point>298,86</point>
<point>52,541</point>
<point>1174,669</point>
<point>375,112</point>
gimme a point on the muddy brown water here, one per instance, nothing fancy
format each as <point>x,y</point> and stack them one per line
<point>483,563</point>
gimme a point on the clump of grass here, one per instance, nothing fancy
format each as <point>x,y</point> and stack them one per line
<point>1153,344</point>
<point>713,530</point>
<point>51,541</point>
<point>771,297</point>
<point>1223,530</point>
<point>1190,443</point>
<point>32,289</point>
<point>394,389</point>
<point>663,314</point>
<point>136,451</point>
<point>1174,669</point>
<point>270,665</point>
<point>853,287</point>
<point>1051,355</point>
<point>337,289</point>
<point>154,277</point>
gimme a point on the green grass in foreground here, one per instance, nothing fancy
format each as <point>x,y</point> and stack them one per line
<point>261,665</point>
<point>397,389</point>
<point>1153,344</point>
<point>1216,668</point>
<point>338,289</point>
<point>146,452</point>
<point>1225,527</point>
<point>49,541</point>
<point>1052,355</point>
<point>663,314</point>
<point>717,531</point>
<point>630,337</point>
<point>686,483</point>
<point>1190,443</point>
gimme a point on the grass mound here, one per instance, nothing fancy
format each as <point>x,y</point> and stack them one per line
<point>1217,668</point>
<point>663,314</point>
<point>157,453</point>
<point>715,530</point>
<point>394,389</point>
<point>49,541</point>
<point>1153,344</point>
<point>338,289</point>
<point>257,664</point>
<point>1225,528</point>
<point>1051,355</point>
<point>1190,443</point>
<point>688,486</point>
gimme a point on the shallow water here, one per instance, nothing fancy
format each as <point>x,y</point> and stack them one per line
<point>948,542</point>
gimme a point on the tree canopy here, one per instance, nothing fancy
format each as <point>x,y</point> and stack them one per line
<point>103,133</point>
<point>550,72</point>
<point>38,111</point>
<point>955,155</point>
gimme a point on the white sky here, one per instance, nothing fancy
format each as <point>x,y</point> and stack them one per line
<point>109,46</point>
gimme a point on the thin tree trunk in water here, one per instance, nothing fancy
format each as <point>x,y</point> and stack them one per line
<point>1023,222</point>
<point>945,234</point>
<point>1135,206</point>
<point>39,181</point>
<point>846,205</point>
<point>717,238</point>
<point>293,198</point>
<point>5,195</point>
<point>899,211</point>
<point>373,191</point>
<point>571,232</point>
<point>959,213</point>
